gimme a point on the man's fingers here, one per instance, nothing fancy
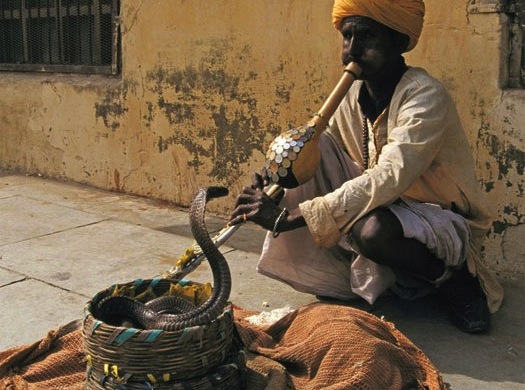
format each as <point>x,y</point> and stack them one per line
<point>236,216</point>
<point>265,178</point>
<point>241,214</point>
<point>257,181</point>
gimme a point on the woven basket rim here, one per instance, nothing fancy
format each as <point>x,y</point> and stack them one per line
<point>190,351</point>
<point>142,285</point>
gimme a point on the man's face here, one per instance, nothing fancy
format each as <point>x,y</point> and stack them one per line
<point>372,45</point>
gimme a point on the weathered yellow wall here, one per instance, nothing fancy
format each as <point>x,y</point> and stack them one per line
<point>206,85</point>
<point>467,51</point>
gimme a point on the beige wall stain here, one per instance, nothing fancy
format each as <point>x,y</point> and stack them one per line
<point>206,86</point>
<point>468,52</point>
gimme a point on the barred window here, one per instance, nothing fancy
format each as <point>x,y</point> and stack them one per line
<point>79,36</point>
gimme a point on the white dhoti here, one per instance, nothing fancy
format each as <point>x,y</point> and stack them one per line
<point>340,272</point>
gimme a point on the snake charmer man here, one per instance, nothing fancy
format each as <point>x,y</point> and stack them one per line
<point>395,204</point>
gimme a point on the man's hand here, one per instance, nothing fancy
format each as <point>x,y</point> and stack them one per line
<point>254,205</point>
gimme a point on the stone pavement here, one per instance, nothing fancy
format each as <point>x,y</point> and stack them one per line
<point>60,243</point>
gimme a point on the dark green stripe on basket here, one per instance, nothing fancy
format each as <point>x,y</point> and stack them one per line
<point>150,336</point>
<point>95,325</point>
<point>154,282</point>
<point>121,335</point>
<point>138,282</point>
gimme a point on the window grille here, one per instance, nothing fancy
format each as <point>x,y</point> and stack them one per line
<point>79,36</point>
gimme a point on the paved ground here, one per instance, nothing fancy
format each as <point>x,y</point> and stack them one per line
<point>60,243</point>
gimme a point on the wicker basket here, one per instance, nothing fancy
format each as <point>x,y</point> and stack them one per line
<point>229,376</point>
<point>198,357</point>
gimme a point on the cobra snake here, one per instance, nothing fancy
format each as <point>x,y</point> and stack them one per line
<point>173,313</point>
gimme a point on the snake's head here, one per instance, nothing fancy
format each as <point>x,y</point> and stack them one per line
<point>215,192</point>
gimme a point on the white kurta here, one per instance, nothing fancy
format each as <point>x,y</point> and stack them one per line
<point>418,152</point>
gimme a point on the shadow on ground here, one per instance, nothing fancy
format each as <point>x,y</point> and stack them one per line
<point>249,238</point>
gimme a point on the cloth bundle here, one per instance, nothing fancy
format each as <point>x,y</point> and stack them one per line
<point>317,346</point>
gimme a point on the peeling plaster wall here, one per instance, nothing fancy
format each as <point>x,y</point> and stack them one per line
<point>468,52</point>
<point>206,85</point>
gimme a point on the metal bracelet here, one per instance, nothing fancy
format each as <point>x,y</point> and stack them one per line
<point>284,214</point>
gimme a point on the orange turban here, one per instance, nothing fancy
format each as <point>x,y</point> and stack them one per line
<point>405,16</point>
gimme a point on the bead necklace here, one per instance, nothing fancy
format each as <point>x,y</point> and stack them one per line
<point>365,139</point>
